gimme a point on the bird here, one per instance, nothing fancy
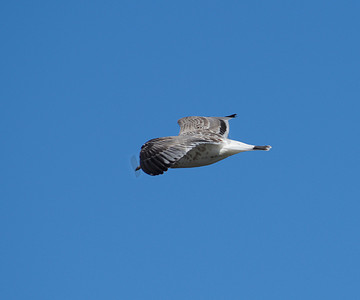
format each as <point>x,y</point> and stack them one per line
<point>201,141</point>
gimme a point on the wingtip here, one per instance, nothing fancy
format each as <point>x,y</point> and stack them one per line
<point>231,116</point>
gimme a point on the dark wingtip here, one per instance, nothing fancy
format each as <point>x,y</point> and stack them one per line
<point>266,148</point>
<point>231,116</point>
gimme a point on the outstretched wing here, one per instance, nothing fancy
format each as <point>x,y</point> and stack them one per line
<point>205,125</point>
<point>157,155</point>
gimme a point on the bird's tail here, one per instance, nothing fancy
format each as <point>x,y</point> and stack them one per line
<point>266,148</point>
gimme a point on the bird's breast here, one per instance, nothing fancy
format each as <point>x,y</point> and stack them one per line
<point>201,155</point>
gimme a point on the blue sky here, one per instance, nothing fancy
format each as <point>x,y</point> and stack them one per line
<point>86,83</point>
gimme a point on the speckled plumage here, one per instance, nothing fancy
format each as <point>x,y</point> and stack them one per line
<point>202,141</point>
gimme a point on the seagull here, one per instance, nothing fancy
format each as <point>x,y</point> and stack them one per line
<point>202,141</point>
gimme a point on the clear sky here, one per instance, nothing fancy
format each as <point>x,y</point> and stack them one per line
<point>85,83</point>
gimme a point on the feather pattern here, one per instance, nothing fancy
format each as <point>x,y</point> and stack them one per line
<point>157,155</point>
<point>201,141</point>
<point>203,125</point>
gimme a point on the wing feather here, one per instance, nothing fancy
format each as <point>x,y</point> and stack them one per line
<point>157,155</point>
<point>205,125</point>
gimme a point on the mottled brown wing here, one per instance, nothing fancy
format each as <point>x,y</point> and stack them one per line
<point>205,125</point>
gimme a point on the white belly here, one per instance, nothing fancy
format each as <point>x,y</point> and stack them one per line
<point>201,155</point>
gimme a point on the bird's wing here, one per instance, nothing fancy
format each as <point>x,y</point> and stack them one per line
<point>205,125</point>
<point>157,155</point>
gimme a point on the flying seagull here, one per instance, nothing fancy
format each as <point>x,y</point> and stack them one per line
<point>202,141</point>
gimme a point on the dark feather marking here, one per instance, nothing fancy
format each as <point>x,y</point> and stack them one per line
<point>157,160</point>
<point>153,168</point>
<point>222,127</point>
<point>261,148</point>
<point>145,167</point>
<point>166,158</point>
<point>231,116</point>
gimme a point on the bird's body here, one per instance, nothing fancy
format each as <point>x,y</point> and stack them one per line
<point>202,141</point>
